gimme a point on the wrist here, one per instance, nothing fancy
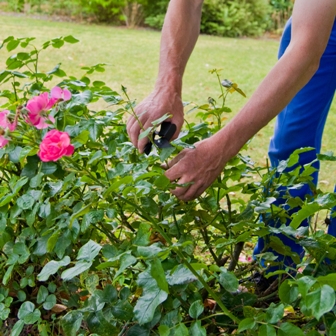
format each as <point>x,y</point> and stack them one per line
<point>171,82</point>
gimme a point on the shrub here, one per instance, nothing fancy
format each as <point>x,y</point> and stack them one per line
<point>93,242</point>
<point>235,18</point>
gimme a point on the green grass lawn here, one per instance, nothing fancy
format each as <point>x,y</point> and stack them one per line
<point>132,58</point>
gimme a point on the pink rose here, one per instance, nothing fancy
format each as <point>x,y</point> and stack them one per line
<point>5,123</point>
<point>58,93</point>
<point>55,145</point>
<point>5,126</point>
<point>38,108</point>
<point>3,141</point>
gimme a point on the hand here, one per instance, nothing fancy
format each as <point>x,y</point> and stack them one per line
<point>201,166</point>
<point>152,108</point>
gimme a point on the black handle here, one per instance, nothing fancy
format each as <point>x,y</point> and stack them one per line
<point>167,130</point>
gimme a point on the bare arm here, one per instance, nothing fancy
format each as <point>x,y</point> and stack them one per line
<point>179,35</point>
<point>311,27</point>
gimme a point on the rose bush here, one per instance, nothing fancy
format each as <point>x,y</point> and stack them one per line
<point>92,242</point>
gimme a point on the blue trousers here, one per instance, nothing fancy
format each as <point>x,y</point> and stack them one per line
<point>301,124</point>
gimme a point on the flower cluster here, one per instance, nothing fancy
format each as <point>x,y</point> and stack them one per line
<point>55,143</point>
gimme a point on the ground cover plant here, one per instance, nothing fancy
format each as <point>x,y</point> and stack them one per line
<point>92,241</point>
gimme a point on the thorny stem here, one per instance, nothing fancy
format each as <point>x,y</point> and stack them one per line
<point>206,240</point>
<point>235,256</point>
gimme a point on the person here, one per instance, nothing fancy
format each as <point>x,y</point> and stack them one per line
<point>299,89</point>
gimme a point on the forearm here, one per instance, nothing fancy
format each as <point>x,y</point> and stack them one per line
<point>179,36</point>
<point>278,88</point>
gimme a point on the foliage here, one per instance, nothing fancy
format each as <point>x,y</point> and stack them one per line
<point>92,241</point>
<point>230,18</point>
<point>235,18</point>
<point>282,10</point>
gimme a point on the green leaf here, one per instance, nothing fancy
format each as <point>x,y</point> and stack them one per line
<point>164,330</point>
<point>79,268</point>
<point>305,212</point>
<point>25,202</point>
<point>329,279</point>
<point>89,251</point>
<point>145,133</point>
<point>143,235</point>
<point>304,284</point>
<point>122,310</point>
<point>196,309</point>
<point>95,130</point>
<point>151,297</point>
<point>71,322</point>
<point>288,293</point>
<point>42,294</point>
<point>228,280</point>
<point>197,329</point>
<point>48,168</point>
<point>12,44</point>
<point>180,276</point>
<point>70,39</point>
<point>320,301</point>
<point>274,313</point>
<point>98,324</point>
<point>4,312</point>
<point>289,329</point>
<point>181,330</point>
<point>52,267</point>
<point>267,330</point>
<point>158,274</point>
<point>137,330</point>
<point>28,313</point>
<point>82,98</point>
<point>17,328</point>
<point>50,302</point>
<point>332,330</point>
<point>109,294</point>
<point>246,324</point>
<point>160,120</point>
<point>57,42</point>
<point>126,260</point>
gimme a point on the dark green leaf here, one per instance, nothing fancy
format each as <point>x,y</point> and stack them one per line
<point>28,313</point>
<point>137,330</point>
<point>48,168</point>
<point>17,328</point>
<point>143,235</point>
<point>289,329</point>
<point>50,302</point>
<point>196,309</point>
<point>122,310</point>
<point>197,329</point>
<point>267,330</point>
<point>228,280</point>
<point>71,322</point>
<point>180,276</point>
<point>158,274</point>
<point>288,293</point>
<point>42,294</point>
<point>274,313</point>
<point>246,324</point>
<point>151,297</point>
<point>320,301</point>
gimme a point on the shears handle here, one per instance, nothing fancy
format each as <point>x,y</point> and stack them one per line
<point>166,132</point>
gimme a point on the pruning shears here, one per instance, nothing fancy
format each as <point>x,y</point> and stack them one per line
<point>166,132</point>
